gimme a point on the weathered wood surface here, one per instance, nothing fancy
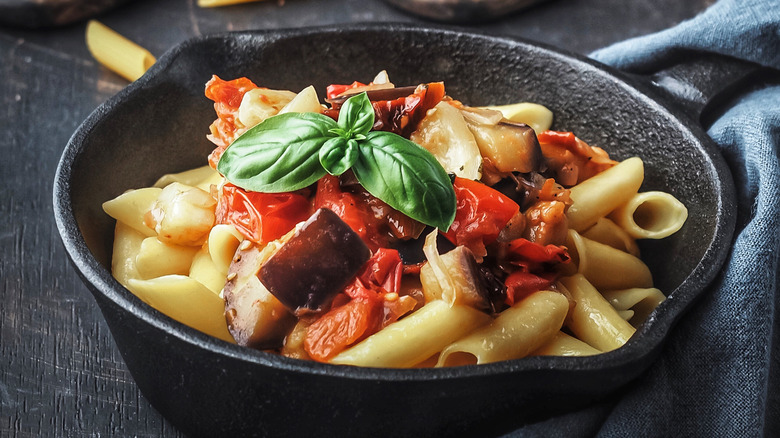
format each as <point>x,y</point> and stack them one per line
<point>60,373</point>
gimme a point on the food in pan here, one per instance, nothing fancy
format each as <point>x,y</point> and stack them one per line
<point>395,227</point>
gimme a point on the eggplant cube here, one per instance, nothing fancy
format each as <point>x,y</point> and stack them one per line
<point>315,264</point>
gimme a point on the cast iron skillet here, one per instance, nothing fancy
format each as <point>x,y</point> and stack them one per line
<point>208,387</point>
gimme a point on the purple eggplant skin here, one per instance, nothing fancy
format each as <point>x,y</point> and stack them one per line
<point>315,264</point>
<point>255,318</point>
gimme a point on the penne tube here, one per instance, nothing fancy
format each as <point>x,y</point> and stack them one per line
<point>597,196</point>
<point>609,233</point>
<point>565,345</point>
<point>186,301</point>
<point>538,117</point>
<point>414,338</point>
<point>515,333</point>
<point>215,179</point>
<point>651,215</point>
<point>116,52</point>
<point>641,301</point>
<point>191,177</point>
<point>606,267</point>
<point>205,272</point>
<point>127,243</point>
<point>593,319</point>
<point>304,102</point>
<point>131,207</point>
<point>223,242</point>
<point>218,3</point>
<point>156,258</point>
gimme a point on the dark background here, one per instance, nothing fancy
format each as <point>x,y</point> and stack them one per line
<point>60,373</point>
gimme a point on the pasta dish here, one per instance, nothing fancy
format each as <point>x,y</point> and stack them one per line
<point>395,227</point>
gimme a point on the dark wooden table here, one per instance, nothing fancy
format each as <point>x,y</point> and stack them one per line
<point>60,373</point>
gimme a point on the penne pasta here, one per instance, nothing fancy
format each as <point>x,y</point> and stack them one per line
<point>597,196</point>
<point>186,301</point>
<point>192,177</point>
<point>414,338</point>
<point>156,258</point>
<point>204,271</point>
<point>606,267</point>
<point>217,3</point>
<point>641,302</point>
<point>562,344</point>
<point>306,101</point>
<point>222,244</point>
<point>609,233</point>
<point>538,117</point>
<point>593,319</point>
<point>651,215</point>
<point>131,208</point>
<point>116,52</point>
<point>127,244</point>
<point>515,333</point>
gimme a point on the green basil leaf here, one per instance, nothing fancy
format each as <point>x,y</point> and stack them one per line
<point>407,177</point>
<point>281,154</point>
<point>338,154</point>
<point>356,116</point>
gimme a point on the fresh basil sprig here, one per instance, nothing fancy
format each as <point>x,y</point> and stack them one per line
<point>291,151</point>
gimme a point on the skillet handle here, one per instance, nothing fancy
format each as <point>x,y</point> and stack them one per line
<point>703,82</point>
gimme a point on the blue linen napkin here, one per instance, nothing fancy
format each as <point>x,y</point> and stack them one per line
<point>719,373</point>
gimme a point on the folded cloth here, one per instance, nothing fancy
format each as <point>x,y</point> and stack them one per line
<point>718,374</point>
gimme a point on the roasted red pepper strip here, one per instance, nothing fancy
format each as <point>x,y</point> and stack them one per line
<point>261,217</point>
<point>481,213</point>
<point>536,267</point>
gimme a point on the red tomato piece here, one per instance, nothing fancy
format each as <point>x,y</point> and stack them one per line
<point>227,96</point>
<point>354,209</point>
<point>334,90</point>
<point>343,326</point>
<point>520,284</point>
<point>261,217</point>
<point>571,159</point>
<point>536,267</point>
<point>383,271</point>
<point>403,115</point>
<point>481,213</point>
<point>533,256</point>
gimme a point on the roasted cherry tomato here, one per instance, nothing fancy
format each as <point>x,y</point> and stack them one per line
<point>481,213</point>
<point>261,217</point>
